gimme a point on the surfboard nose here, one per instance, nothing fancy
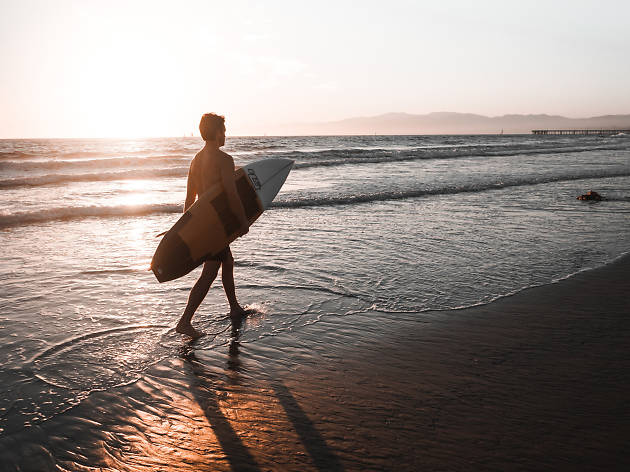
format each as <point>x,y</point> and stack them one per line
<point>268,176</point>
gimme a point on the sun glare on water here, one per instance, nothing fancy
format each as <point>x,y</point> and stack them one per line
<point>134,193</point>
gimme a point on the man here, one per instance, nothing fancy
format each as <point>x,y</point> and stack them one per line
<point>208,167</point>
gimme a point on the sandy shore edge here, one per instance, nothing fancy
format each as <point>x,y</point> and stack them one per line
<point>534,381</point>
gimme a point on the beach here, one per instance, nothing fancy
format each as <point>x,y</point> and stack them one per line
<point>433,274</point>
<point>417,303</point>
<point>533,381</point>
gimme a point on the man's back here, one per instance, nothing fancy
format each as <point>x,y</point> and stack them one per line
<point>205,170</point>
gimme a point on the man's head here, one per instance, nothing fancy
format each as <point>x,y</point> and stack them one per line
<point>212,128</point>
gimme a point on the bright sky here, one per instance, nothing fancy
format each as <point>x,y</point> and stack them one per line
<point>150,68</point>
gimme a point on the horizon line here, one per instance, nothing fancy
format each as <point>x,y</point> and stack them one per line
<point>362,117</point>
<point>270,135</point>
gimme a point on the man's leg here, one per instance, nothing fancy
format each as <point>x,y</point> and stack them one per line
<point>197,294</point>
<point>227,278</point>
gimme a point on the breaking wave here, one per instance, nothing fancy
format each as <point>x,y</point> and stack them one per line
<point>104,163</point>
<point>328,158</point>
<point>72,213</point>
<point>176,165</point>
<point>55,179</point>
<point>417,193</point>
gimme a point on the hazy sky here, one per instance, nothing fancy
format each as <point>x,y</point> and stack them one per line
<point>151,68</point>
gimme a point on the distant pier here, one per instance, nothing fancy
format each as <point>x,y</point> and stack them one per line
<point>597,132</point>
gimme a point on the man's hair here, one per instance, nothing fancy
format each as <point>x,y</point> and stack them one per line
<point>209,125</point>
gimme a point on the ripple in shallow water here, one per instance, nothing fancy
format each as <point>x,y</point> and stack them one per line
<point>102,359</point>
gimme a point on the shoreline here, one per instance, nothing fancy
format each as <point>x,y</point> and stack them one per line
<point>533,381</point>
<point>536,380</point>
<point>553,282</point>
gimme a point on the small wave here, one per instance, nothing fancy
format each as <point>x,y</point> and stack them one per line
<point>73,213</point>
<point>52,152</point>
<point>124,271</point>
<point>102,154</point>
<point>310,288</point>
<point>55,179</point>
<point>14,154</point>
<point>150,167</point>
<point>417,193</point>
<point>615,198</point>
<point>85,154</point>
<point>249,148</point>
<point>331,158</point>
<point>256,265</point>
<point>31,165</point>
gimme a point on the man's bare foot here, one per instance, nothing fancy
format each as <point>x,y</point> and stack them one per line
<point>237,312</point>
<point>188,330</point>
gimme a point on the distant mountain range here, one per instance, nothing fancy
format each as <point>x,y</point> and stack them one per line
<point>452,123</point>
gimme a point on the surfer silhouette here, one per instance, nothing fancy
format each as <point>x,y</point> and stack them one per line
<point>211,166</point>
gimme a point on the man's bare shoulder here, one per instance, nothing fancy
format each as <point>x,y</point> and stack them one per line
<point>202,158</point>
<point>195,160</point>
<point>225,155</point>
<point>224,159</point>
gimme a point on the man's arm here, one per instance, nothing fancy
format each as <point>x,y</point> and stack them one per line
<point>191,190</point>
<point>226,167</point>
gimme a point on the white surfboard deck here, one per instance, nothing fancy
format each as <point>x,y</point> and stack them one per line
<point>209,225</point>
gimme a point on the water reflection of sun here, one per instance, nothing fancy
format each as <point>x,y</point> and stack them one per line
<point>133,193</point>
<point>134,198</point>
<point>137,239</point>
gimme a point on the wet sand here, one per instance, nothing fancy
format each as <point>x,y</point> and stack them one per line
<point>535,381</point>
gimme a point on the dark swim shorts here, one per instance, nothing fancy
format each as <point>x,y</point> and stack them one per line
<point>220,256</point>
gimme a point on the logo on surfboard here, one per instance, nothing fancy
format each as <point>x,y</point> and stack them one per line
<point>254,178</point>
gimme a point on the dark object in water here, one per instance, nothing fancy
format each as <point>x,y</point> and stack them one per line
<point>590,195</point>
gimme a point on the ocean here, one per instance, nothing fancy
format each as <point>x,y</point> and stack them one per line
<point>367,230</point>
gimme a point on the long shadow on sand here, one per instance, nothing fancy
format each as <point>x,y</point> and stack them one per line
<point>312,440</point>
<point>237,453</point>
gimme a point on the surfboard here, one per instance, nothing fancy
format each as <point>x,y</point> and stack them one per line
<point>209,225</point>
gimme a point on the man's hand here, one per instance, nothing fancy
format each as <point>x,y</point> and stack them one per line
<point>244,229</point>
<point>226,167</point>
